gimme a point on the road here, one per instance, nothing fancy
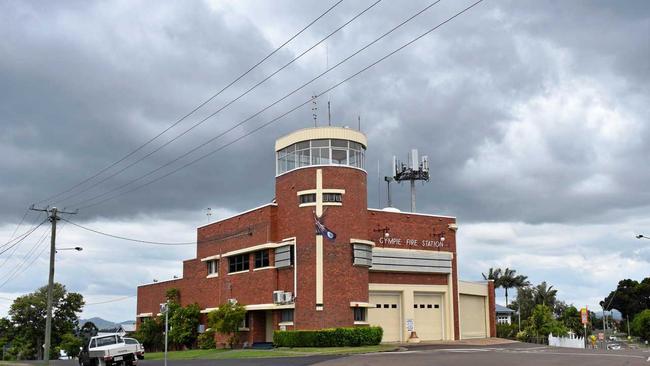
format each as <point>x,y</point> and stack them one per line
<point>514,354</point>
<point>507,355</point>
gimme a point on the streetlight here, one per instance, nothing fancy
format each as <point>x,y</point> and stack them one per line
<point>641,236</point>
<point>78,249</point>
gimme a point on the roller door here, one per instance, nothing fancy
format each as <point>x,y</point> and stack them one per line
<point>472,316</point>
<point>385,312</point>
<point>428,316</point>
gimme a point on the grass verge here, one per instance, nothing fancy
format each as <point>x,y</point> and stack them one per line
<point>263,353</point>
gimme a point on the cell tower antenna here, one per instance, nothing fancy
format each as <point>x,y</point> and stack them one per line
<point>314,109</point>
<point>416,169</point>
<point>329,114</point>
<point>359,123</point>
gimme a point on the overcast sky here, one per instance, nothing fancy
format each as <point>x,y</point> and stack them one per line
<point>534,115</point>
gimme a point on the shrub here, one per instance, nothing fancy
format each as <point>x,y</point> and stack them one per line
<point>206,340</point>
<point>332,337</point>
<point>641,324</point>
<point>227,319</point>
<point>507,330</point>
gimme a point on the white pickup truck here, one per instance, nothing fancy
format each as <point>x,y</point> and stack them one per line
<point>108,350</point>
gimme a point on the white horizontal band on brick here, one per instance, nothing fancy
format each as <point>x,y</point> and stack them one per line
<point>358,304</point>
<point>144,315</point>
<point>362,241</point>
<point>256,247</point>
<point>207,310</point>
<point>324,190</point>
<point>269,306</point>
<point>210,258</point>
<point>212,275</point>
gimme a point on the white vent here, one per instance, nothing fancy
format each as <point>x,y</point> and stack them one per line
<point>232,301</point>
<point>278,297</point>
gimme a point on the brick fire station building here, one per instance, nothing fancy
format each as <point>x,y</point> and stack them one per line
<point>382,267</point>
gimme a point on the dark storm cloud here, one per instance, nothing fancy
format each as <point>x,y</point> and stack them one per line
<point>534,116</point>
<point>85,83</point>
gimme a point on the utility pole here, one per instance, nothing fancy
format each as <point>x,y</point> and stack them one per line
<point>50,282</point>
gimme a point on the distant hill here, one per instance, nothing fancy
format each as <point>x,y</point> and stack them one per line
<point>615,314</point>
<point>99,323</point>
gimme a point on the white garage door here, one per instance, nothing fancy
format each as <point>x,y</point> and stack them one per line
<point>428,316</point>
<point>472,316</point>
<point>385,312</point>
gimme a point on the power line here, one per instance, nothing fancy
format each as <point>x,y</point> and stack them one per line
<point>23,237</point>
<point>250,89</point>
<point>109,301</point>
<point>19,268</point>
<point>81,205</point>
<point>29,231</point>
<point>193,110</point>
<point>11,254</point>
<point>247,231</point>
<point>269,122</point>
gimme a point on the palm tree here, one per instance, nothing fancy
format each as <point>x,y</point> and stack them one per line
<point>493,274</point>
<point>509,279</point>
<point>545,294</point>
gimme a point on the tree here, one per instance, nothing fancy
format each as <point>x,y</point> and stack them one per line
<point>87,331</point>
<point>70,344</point>
<point>173,295</point>
<point>493,274</point>
<point>641,325</point>
<point>630,297</point>
<point>545,295</point>
<point>28,315</point>
<point>227,319</point>
<point>572,319</point>
<point>541,323</point>
<point>525,302</point>
<point>184,323</point>
<point>508,279</point>
<point>150,334</point>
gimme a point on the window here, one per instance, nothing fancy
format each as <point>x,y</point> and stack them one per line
<point>339,156</point>
<point>106,341</point>
<point>238,263</point>
<point>213,267</point>
<point>245,323</point>
<point>331,197</point>
<point>130,341</point>
<point>261,258</point>
<point>308,198</point>
<point>286,315</point>
<point>320,152</point>
<point>359,314</point>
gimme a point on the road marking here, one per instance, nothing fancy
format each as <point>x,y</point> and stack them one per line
<point>585,354</point>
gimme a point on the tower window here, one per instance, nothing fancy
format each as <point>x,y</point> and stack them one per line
<point>308,198</point>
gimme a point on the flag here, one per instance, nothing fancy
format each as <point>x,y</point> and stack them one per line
<point>322,230</point>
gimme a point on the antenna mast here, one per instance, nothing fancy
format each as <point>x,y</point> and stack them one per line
<point>414,171</point>
<point>314,109</point>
